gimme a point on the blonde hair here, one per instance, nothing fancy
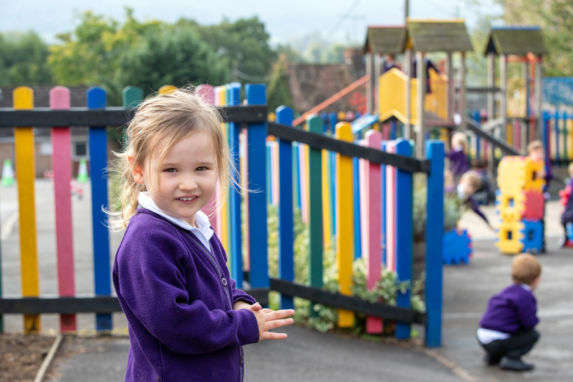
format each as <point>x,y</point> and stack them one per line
<point>535,145</point>
<point>460,139</point>
<point>473,179</point>
<point>525,268</point>
<point>570,169</point>
<point>166,118</point>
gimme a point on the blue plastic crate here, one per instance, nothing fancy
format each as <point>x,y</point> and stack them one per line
<point>532,235</point>
<point>457,247</point>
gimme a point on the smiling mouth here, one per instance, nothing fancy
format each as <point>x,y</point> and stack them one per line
<point>187,198</point>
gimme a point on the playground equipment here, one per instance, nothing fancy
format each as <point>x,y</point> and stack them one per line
<point>401,97</point>
<point>514,114</point>
<point>521,205</point>
<point>457,247</point>
<point>248,124</point>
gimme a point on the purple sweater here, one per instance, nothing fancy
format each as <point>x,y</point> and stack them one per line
<point>511,310</point>
<point>458,163</point>
<point>178,299</point>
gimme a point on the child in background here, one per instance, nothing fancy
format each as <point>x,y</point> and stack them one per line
<point>567,215</point>
<point>469,183</point>
<point>458,155</point>
<point>506,329</point>
<point>187,321</point>
<point>536,152</point>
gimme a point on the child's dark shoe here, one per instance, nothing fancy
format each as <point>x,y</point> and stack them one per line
<point>515,364</point>
<point>490,360</point>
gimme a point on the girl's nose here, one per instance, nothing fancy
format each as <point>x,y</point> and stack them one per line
<point>188,184</point>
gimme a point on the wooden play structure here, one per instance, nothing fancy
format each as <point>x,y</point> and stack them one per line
<point>403,95</point>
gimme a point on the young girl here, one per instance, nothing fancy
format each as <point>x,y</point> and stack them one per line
<point>457,156</point>
<point>187,321</point>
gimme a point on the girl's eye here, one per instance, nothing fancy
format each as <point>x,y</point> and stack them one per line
<point>202,168</point>
<point>170,169</point>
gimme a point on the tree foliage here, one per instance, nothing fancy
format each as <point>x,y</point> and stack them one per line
<point>23,60</point>
<point>173,56</point>
<point>101,51</point>
<point>555,19</point>
<point>243,45</point>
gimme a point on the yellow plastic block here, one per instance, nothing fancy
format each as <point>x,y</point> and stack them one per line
<point>509,237</point>
<point>511,205</point>
<point>516,173</point>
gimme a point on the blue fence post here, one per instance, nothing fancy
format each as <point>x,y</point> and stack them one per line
<point>235,231</point>
<point>284,115</point>
<point>434,238</point>
<point>333,119</point>
<point>96,99</point>
<point>404,233</point>
<point>259,275</point>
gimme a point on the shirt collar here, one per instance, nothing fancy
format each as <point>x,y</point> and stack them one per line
<point>525,286</point>
<point>201,220</point>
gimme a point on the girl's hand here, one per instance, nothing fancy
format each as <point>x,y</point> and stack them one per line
<point>245,305</point>
<point>270,319</point>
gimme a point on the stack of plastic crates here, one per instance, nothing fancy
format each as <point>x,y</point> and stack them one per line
<point>521,205</point>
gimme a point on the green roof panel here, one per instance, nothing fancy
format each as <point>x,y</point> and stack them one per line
<point>439,36</point>
<point>385,40</point>
<point>515,41</point>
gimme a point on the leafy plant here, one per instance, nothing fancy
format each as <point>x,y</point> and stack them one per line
<point>324,318</point>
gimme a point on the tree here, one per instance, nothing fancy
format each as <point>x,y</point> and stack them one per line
<point>173,56</point>
<point>23,60</point>
<point>243,45</point>
<point>278,92</point>
<point>104,52</point>
<point>555,19</point>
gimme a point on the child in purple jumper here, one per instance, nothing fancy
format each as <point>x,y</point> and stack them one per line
<point>506,329</point>
<point>187,321</point>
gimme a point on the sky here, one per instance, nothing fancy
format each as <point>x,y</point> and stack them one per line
<point>342,21</point>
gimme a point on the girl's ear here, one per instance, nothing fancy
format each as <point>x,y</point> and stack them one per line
<point>136,171</point>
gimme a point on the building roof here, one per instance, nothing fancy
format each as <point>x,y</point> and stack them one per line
<point>385,39</point>
<point>439,35</point>
<point>518,41</point>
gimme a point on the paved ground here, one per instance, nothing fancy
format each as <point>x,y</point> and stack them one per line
<point>311,356</point>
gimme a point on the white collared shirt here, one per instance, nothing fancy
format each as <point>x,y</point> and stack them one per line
<point>203,230</point>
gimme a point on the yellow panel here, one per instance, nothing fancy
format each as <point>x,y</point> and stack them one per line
<point>510,245</point>
<point>225,207</point>
<point>166,89</point>
<point>511,205</point>
<point>25,174</point>
<point>517,173</point>
<point>345,223</point>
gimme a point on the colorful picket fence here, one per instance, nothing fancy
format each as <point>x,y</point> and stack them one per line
<point>357,199</point>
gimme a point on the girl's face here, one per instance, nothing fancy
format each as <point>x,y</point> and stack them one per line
<point>184,181</point>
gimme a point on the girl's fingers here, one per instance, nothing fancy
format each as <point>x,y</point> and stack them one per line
<point>278,314</point>
<point>277,323</point>
<point>273,336</point>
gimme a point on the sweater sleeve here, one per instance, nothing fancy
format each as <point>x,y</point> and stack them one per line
<point>152,288</point>
<point>527,312</point>
<point>475,208</point>
<point>241,295</point>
